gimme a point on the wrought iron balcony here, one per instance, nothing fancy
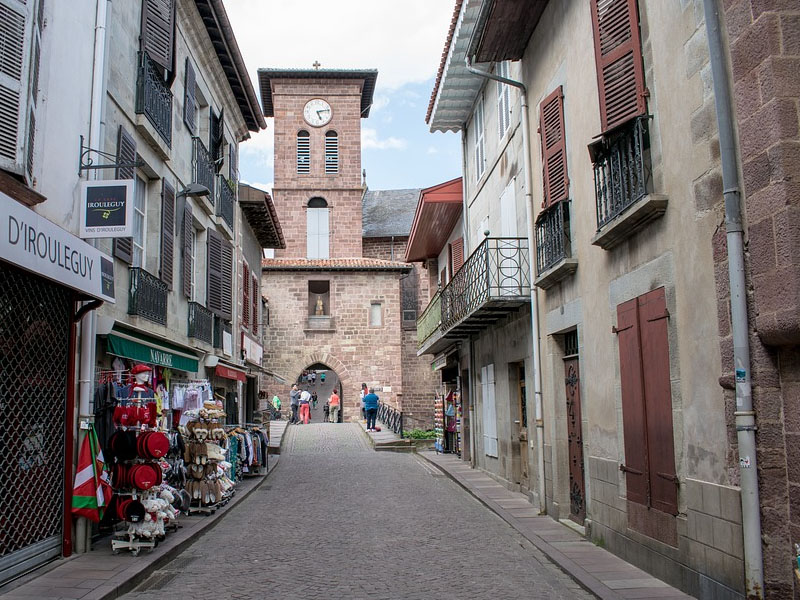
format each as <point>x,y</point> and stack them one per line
<point>153,97</point>
<point>201,323</point>
<point>147,296</point>
<point>493,282</point>
<point>225,198</point>
<point>203,167</point>
<point>430,320</point>
<point>553,248</point>
<point>622,173</point>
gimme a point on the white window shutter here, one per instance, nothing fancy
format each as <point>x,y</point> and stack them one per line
<point>508,211</point>
<point>16,45</point>
<point>317,233</point>
<point>312,239</point>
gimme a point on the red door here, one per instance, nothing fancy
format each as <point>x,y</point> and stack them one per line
<point>577,489</point>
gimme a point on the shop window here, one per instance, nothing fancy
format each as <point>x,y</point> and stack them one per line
<point>319,298</point>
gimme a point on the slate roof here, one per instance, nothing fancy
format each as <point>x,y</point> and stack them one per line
<point>387,213</point>
<point>332,264</point>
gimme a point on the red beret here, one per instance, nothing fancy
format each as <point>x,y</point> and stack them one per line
<point>140,369</point>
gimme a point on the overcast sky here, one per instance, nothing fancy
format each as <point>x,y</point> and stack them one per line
<point>403,40</point>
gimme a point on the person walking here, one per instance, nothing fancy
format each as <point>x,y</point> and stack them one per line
<point>333,403</point>
<point>276,404</point>
<point>371,408</point>
<point>305,409</point>
<point>314,400</point>
<point>294,402</point>
<point>363,393</point>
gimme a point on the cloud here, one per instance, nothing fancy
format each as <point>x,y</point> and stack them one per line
<point>403,41</point>
<point>433,150</point>
<point>371,141</point>
<point>264,187</point>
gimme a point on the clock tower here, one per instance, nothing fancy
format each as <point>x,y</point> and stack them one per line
<point>317,189</point>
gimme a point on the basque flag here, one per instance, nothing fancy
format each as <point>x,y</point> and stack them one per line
<point>92,490</point>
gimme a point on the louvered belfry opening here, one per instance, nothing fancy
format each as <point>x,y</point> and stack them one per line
<point>303,152</point>
<point>331,152</point>
<point>35,326</point>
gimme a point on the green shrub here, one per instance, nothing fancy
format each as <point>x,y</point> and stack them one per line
<point>420,434</point>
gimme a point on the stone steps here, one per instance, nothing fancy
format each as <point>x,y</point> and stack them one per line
<point>395,448</point>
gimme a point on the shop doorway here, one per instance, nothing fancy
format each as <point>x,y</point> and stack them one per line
<point>250,399</point>
<point>519,410</point>
<point>35,330</point>
<point>321,380</point>
<point>577,489</point>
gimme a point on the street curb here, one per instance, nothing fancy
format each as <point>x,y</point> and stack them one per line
<point>138,573</point>
<point>585,579</point>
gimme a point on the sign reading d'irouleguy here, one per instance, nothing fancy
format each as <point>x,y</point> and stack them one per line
<point>107,208</point>
<point>35,244</point>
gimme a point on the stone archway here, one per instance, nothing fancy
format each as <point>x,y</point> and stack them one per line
<point>343,377</point>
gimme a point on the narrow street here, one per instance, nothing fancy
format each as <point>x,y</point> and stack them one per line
<point>339,520</point>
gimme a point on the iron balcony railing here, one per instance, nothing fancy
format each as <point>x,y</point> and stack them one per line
<point>498,269</point>
<point>622,173</point>
<point>201,323</point>
<point>391,417</point>
<point>147,296</point>
<point>203,166</point>
<point>154,98</point>
<point>430,320</point>
<point>225,198</point>
<point>552,237</point>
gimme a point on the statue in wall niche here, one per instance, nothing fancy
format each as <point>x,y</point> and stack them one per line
<point>320,309</point>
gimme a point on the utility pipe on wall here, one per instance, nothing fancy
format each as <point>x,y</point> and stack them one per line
<point>744,414</point>
<point>536,359</point>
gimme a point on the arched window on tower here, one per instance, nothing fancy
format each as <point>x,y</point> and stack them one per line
<point>331,152</point>
<point>317,229</point>
<point>303,152</point>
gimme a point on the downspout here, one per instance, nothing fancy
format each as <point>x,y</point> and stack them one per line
<point>744,414</point>
<point>89,322</point>
<point>465,228</point>
<point>536,363</point>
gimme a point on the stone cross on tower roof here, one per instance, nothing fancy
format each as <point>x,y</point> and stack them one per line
<point>316,64</point>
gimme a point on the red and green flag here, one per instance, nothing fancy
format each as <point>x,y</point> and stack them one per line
<point>92,491</point>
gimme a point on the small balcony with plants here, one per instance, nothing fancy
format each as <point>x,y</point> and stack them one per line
<point>625,201</point>
<point>554,260</point>
<point>491,284</point>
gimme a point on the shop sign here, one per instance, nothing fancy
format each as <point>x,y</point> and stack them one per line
<point>107,208</point>
<point>30,241</point>
<point>229,373</point>
<point>253,351</point>
<point>439,363</point>
<point>144,352</point>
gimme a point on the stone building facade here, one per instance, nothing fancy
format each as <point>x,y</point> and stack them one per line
<point>335,291</point>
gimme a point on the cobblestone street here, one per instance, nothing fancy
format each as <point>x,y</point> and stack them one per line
<point>339,520</point>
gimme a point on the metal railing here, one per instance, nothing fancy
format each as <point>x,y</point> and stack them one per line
<point>225,198</point>
<point>153,97</point>
<point>203,166</point>
<point>622,173</point>
<point>201,323</point>
<point>552,237</point>
<point>430,320</point>
<point>147,296</point>
<point>497,269</point>
<point>391,417</point>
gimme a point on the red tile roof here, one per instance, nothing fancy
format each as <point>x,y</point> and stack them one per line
<point>332,264</point>
<point>443,62</point>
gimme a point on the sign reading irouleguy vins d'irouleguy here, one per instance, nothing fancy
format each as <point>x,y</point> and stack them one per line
<point>33,243</point>
<point>106,209</point>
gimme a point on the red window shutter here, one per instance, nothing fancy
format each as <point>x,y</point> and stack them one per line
<point>254,299</point>
<point>658,401</point>
<point>245,296</point>
<point>554,148</point>
<point>167,231</point>
<point>633,415</point>
<point>458,254</point>
<point>618,56</point>
<point>126,155</point>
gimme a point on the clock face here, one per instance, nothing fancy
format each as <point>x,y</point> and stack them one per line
<point>317,112</point>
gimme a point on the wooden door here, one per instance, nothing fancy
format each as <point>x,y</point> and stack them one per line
<point>577,488</point>
<point>522,438</point>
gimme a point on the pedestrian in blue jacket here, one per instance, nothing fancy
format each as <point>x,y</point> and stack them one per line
<point>371,408</point>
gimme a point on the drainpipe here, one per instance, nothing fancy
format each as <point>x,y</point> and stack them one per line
<point>744,415</point>
<point>536,363</point>
<point>89,322</point>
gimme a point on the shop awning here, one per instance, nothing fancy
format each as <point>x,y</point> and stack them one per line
<point>230,373</point>
<point>150,350</point>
